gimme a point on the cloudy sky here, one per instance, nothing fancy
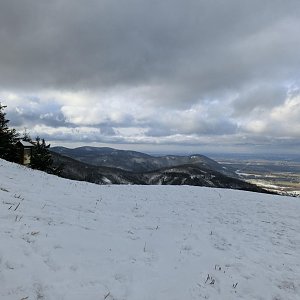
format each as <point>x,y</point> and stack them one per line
<point>154,75</point>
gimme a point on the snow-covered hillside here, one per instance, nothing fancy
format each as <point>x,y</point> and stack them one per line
<point>62,239</point>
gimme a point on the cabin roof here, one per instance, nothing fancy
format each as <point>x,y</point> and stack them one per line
<point>26,144</point>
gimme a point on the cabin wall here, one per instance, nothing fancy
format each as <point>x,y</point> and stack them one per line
<point>26,156</point>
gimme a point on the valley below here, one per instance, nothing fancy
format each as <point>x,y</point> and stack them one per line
<point>280,176</point>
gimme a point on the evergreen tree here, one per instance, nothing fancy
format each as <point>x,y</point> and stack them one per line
<point>41,157</point>
<point>26,136</point>
<point>8,138</point>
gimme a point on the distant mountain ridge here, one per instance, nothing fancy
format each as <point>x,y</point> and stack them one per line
<point>134,161</point>
<point>185,174</point>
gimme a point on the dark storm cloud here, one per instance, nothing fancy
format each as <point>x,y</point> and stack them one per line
<point>192,125</point>
<point>190,49</point>
<point>34,112</point>
<point>107,130</point>
<point>158,131</point>
<point>259,97</point>
<point>28,118</point>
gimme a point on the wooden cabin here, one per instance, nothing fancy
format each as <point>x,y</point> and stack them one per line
<point>25,152</point>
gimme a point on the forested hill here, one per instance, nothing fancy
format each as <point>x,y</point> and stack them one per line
<point>180,175</point>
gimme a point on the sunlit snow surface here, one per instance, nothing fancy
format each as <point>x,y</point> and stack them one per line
<point>62,239</point>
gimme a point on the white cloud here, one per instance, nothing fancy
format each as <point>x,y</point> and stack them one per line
<point>282,121</point>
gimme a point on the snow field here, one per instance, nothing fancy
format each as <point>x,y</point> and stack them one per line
<point>62,239</point>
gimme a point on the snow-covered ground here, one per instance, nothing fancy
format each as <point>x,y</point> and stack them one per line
<point>62,239</point>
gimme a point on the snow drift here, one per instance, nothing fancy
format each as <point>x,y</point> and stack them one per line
<point>63,239</point>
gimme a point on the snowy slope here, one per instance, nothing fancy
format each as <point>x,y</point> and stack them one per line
<point>62,239</point>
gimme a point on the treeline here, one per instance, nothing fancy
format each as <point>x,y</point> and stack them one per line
<point>41,158</point>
